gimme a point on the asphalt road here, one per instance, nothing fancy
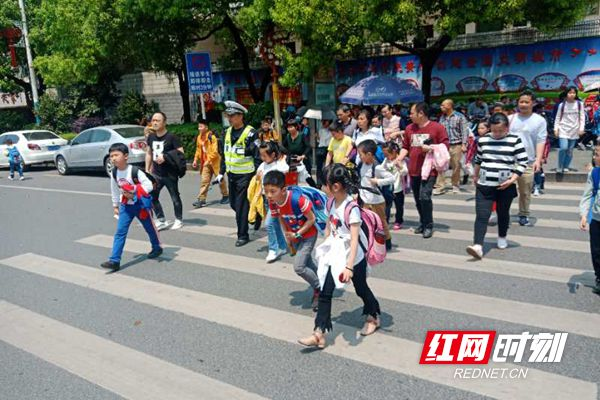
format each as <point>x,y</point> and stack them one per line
<point>212,321</point>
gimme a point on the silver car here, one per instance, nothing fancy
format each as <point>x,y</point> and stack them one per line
<point>35,146</point>
<point>89,149</point>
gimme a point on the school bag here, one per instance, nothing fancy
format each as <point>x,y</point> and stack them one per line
<point>318,200</point>
<point>595,185</point>
<point>372,227</point>
<point>144,197</point>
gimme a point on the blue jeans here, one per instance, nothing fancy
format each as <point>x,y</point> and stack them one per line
<point>565,152</point>
<point>126,215</point>
<point>274,233</point>
<point>16,166</point>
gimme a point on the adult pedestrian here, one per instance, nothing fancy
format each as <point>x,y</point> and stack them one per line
<point>323,139</point>
<point>297,144</point>
<point>478,109</point>
<point>240,146</point>
<point>417,141</point>
<point>457,128</point>
<point>391,125</point>
<point>501,158</point>
<point>531,128</point>
<point>344,114</point>
<point>569,125</point>
<point>161,144</point>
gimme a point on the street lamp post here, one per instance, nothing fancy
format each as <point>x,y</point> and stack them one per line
<point>267,52</point>
<point>32,78</point>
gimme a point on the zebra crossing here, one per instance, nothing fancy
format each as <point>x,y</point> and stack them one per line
<point>128,368</point>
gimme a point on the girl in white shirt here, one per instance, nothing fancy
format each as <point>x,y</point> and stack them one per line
<point>569,125</point>
<point>272,161</point>
<point>340,185</point>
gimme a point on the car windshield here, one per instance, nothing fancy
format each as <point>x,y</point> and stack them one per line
<point>130,132</point>
<point>40,135</point>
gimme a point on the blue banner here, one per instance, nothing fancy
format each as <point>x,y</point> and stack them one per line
<point>199,72</point>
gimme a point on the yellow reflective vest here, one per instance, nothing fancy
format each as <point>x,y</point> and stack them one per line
<point>236,161</point>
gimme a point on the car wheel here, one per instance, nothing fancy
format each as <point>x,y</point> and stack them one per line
<point>61,165</point>
<point>108,166</point>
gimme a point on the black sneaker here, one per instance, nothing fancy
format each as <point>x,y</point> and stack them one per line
<point>199,204</point>
<point>111,265</point>
<point>427,233</point>
<point>523,221</point>
<point>419,230</point>
<point>155,253</point>
<point>224,200</point>
<point>241,242</point>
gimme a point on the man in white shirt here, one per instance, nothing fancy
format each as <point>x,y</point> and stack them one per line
<point>532,129</point>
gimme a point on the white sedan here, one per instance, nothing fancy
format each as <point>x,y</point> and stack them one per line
<point>35,146</point>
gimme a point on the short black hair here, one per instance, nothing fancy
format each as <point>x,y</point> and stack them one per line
<point>344,108</point>
<point>119,147</point>
<point>498,118</point>
<point>163,115</point>
<point>368,146</point>
<point>202,121</point>
<point>337,126</point>
<point>528,93</point>
<point>422,107</point>
<point>8,142</point>
<point>274,178</point>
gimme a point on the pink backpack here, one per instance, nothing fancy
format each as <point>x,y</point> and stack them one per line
<point>373,229</point>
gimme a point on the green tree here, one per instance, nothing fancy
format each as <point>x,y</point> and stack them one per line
<point>338,29</point>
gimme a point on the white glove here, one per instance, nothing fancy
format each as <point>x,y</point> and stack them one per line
<point>218,179</point>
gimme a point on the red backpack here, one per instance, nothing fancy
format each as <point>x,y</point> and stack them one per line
<point>372,226</point>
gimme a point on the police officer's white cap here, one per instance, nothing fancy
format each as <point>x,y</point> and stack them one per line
<point>231,107</point>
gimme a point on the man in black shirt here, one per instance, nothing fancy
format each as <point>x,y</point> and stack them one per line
<point>159,144</point>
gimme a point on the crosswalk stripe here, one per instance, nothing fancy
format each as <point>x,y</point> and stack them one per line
<point>384,351</point>
<point>528,241</point>
<point>117,368</point>
<point>436,259</point>
<point>586,324</point>
<point>39,189</point>
<point>533,207</point>
<point>546,196</point>
<point>412,213</point>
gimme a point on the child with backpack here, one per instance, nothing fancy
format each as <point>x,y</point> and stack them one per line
<point>295,213</point>
<point>590,213</point>
<point>130,188</point>
<point>346,225</point>
<point>14,160</point>
<point>272,161</point>
<point>374,176</point>
<point>399,171</point>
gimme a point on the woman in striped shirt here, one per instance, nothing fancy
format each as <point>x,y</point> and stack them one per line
<point>501,158</point>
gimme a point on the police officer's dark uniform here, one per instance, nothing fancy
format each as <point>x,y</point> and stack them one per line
<point>239,149</point>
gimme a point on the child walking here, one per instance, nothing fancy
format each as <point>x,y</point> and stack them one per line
<point>340,186</point>
<point>373,176</point>
<point>589,207</point>
<point>272,161</point>
<point>391,150</point>
<point>300,230</point>
<point>14,160</point>
<point>130,188</point>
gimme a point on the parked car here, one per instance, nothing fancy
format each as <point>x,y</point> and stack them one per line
<point>35,146</point>
<point>89,149</point>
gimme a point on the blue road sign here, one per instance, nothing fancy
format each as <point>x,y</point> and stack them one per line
<point>199,72</point>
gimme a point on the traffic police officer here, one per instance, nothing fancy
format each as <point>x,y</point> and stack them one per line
<point>239,149</point>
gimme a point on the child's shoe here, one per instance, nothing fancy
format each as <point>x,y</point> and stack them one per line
<point>111,265</point>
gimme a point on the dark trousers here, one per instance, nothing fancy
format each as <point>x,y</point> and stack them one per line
<point>172,185</point>
<point>595,246</point>
<point>422,191</point>
<point>238,200</point>
<point>484,201</point>
<point>398,202</point>
<point>359,280</point>
<point>586,138</point>
<point>321,158</point>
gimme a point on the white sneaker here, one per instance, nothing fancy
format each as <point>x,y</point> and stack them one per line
<point>271,256</point>
<point>502,243</point>
<point>22,178</point>
<point>493,219</point>
<point>10,178</point>
<point>476,251</point>
<point>536,192</point>
<point>161,225</point>
<point>178,224</point>
<point>455,189</point>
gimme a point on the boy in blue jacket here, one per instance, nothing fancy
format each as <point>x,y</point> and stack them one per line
<point>14,160</point>
<point>130,188</point>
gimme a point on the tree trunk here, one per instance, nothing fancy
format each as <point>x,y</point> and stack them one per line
<point>185,93</point>
<point>427,62</point>
<point>244,57</point>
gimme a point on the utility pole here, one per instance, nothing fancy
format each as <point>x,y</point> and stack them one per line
<point>32,78</point>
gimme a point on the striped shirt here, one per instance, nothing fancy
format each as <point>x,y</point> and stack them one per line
<point>498,159</point>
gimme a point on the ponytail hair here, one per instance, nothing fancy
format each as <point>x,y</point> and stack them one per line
<point>391,146</point>
<point>272,148</point>
<point>348,178</point>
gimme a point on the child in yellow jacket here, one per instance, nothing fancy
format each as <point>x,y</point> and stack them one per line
<point>208,159</point>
